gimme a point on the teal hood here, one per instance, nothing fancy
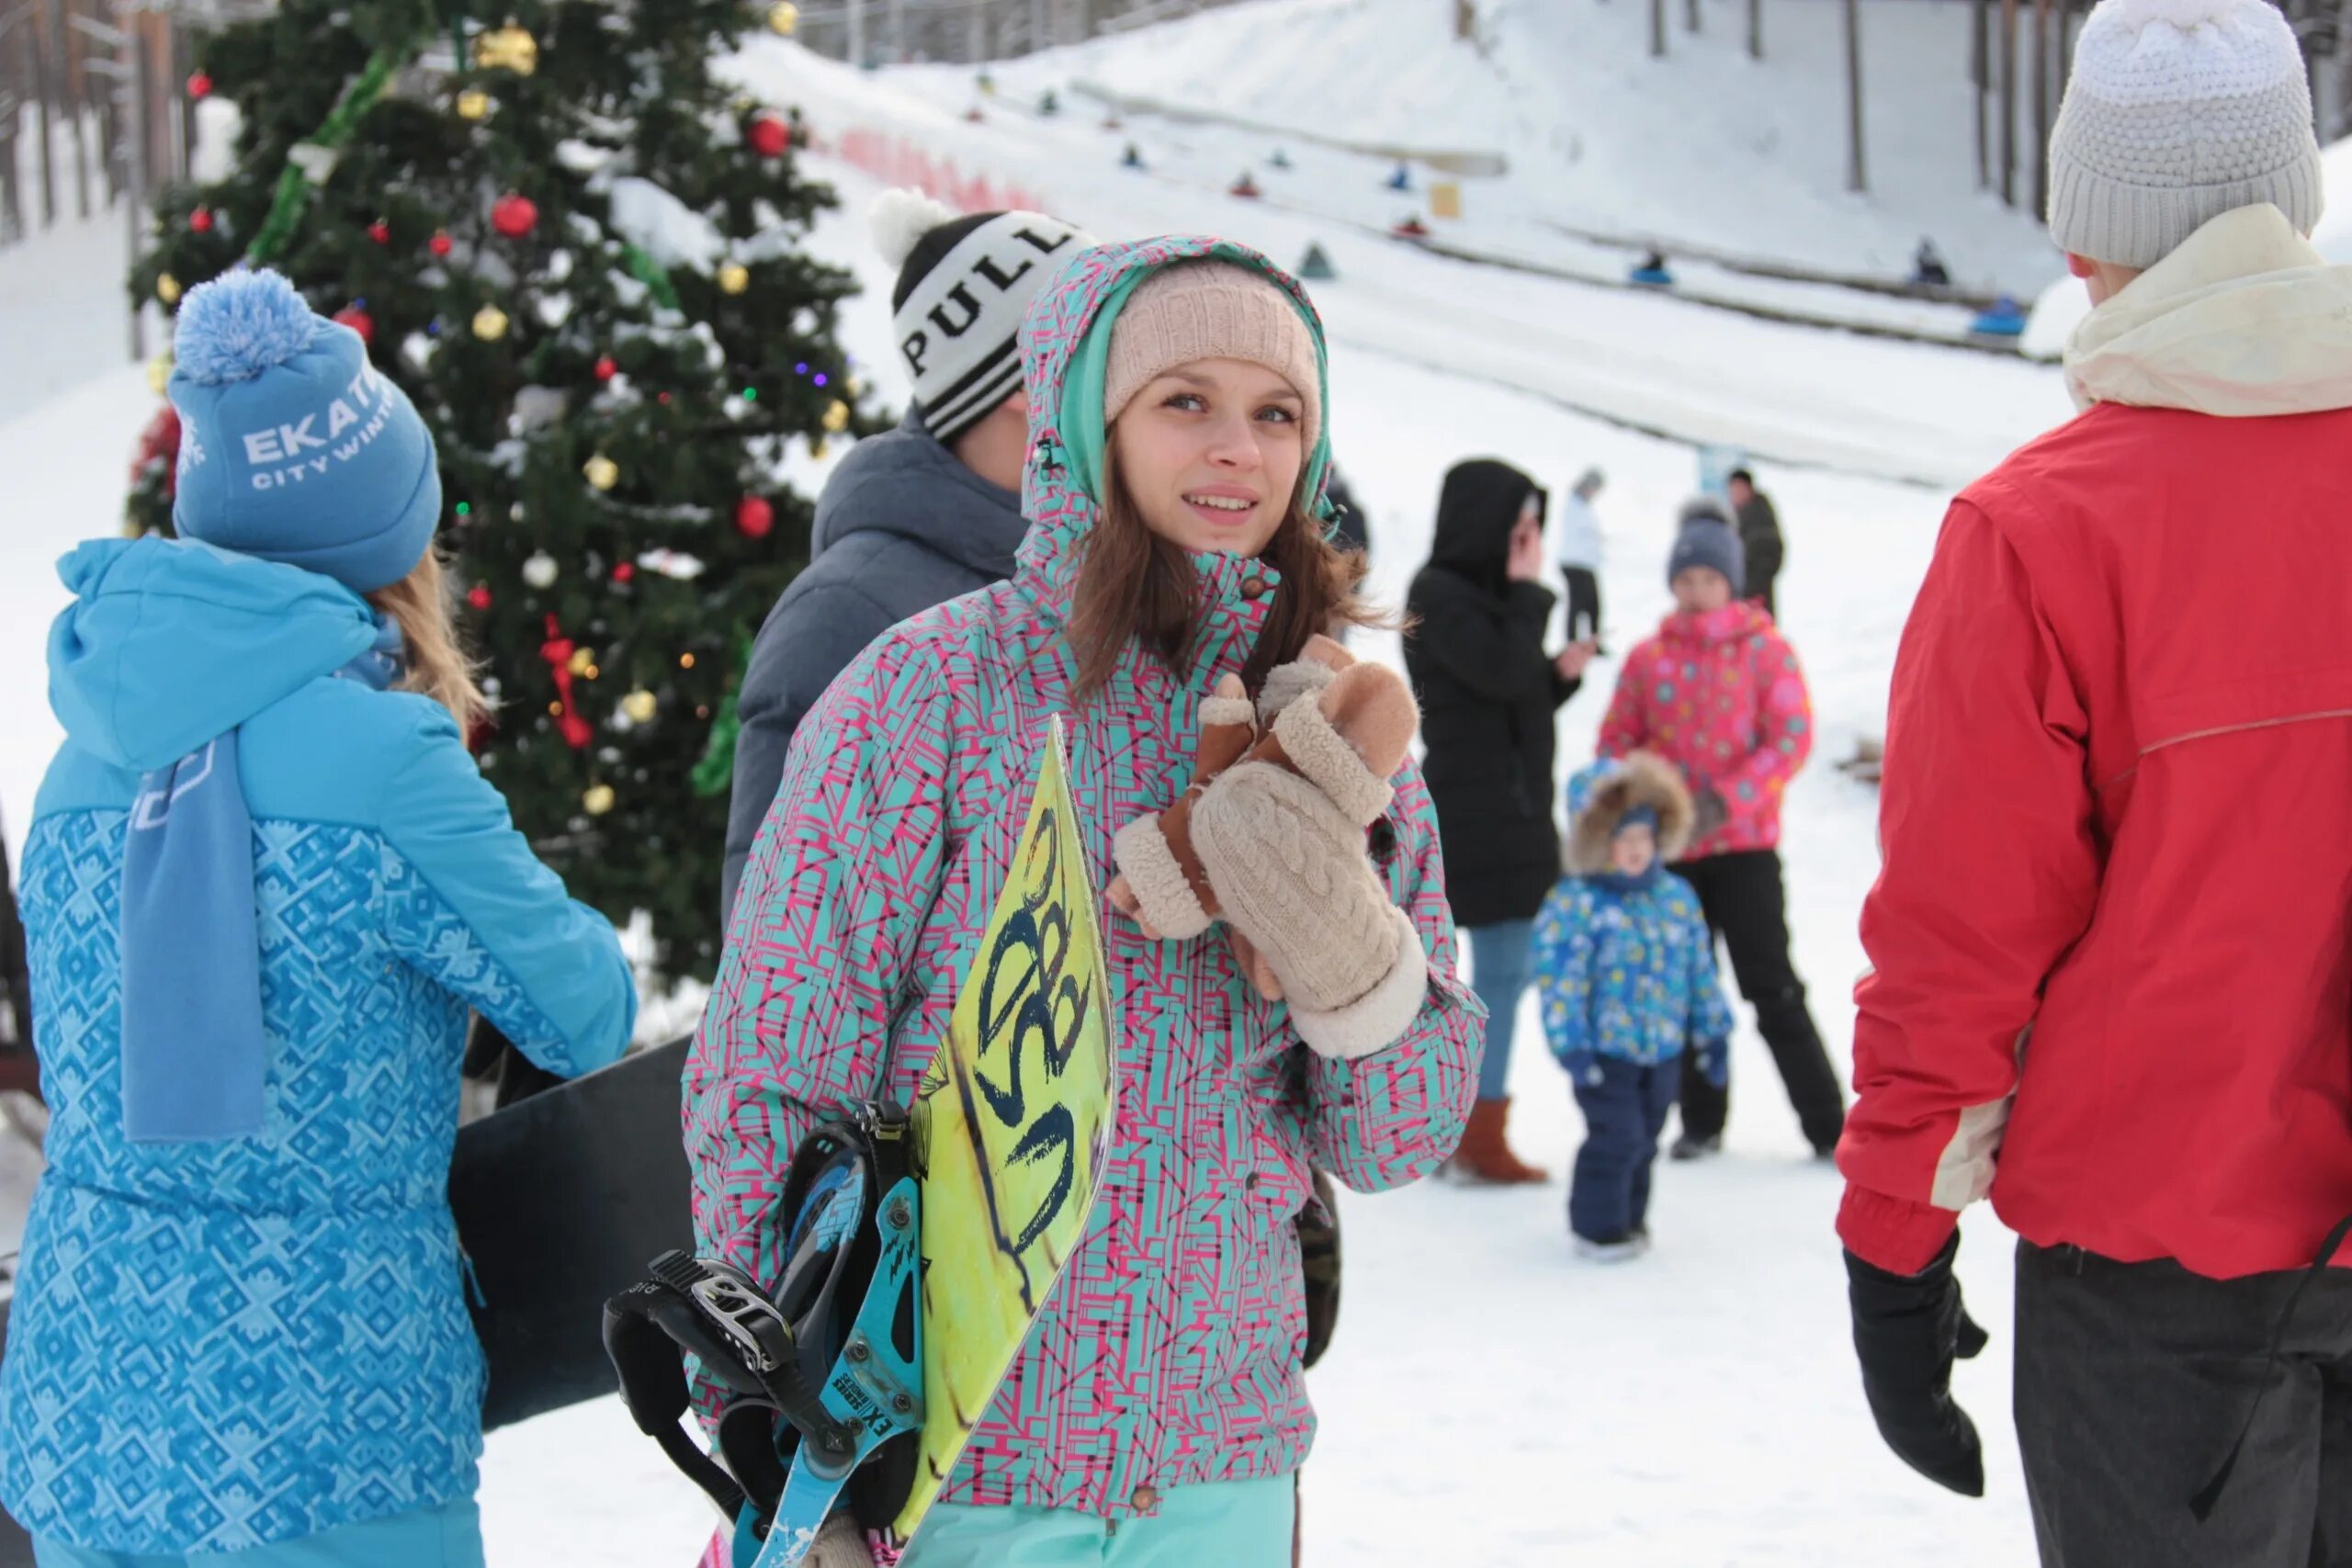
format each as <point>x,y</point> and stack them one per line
<point>169,643</point>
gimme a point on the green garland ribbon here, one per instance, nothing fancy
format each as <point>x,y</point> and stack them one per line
<point>649,272</point>
<point>716,771</point>
<point>313,159</point>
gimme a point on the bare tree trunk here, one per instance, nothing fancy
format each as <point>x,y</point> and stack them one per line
<point>1040,33</point>
<point>1465,21</point>
<point>1755,29</point>
<point>2041,107</point>
<point>1690,15</point>
<point>1658,29</point>
<point>1980,71</point>
<point>1857,171</point>
<point>976,36</point>
<point>38,45</point>
<point>2009,101</point>
<point>76,92</point>
<point>2065,53</point>
<point>856,47</point>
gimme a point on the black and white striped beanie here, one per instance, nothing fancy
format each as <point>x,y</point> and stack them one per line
<point>964,284</point>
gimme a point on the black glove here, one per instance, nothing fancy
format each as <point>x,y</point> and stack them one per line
<point>1907,1333</point>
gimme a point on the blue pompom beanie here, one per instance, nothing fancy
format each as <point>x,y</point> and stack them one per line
<point>1707,537</point>
<point>293,446</point>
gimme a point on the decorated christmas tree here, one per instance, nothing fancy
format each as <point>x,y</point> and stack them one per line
<point>577,250</point>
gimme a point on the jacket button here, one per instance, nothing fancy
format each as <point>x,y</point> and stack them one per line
<point>1145,1499</point>
<point>1253,588</point>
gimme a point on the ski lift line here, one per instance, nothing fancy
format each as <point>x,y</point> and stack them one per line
<point>1468,163</point>
<point>1778,272</point>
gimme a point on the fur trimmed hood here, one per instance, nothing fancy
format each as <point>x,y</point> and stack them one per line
<point>1601,796</point>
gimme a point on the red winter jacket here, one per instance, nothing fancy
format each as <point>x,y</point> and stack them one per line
<point>1719,696</point>
<point>2112,937</point>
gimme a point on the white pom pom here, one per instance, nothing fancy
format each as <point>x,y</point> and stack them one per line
<point>900,217</point>
<point>2136,15</point>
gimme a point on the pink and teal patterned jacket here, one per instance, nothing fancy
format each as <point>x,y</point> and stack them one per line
<point>1721,697</point>
<point>1168,1354</point>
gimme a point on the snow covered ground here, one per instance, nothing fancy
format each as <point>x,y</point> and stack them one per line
<point>1706,147</point>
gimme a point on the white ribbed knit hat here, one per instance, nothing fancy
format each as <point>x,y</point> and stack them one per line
<point>2178,111</point>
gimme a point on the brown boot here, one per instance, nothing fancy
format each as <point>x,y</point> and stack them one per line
<point>1483,1157</point>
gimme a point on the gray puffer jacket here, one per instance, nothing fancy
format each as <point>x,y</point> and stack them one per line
<point>901,526</point>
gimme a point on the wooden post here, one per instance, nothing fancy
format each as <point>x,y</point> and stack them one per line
<point>1980,71</point>
<point>1755,29</point>
<point>1857,171</point>
<point>1465,21</point>
<point>2041,107</point>
<point>39,40</point>
<point>2009,101</point>
<point>1690,15</point>
<point>1658,29</point>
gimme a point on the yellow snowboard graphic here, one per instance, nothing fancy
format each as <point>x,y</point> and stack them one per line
<point>1011,1127</point>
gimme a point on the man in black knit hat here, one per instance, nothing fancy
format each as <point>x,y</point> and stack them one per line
<point>923,513</point>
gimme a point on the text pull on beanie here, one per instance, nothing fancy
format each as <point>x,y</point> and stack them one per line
<point>294,447</point>
<point>964,285</point>
<point>1211,310</point>
<point>2178,111</point>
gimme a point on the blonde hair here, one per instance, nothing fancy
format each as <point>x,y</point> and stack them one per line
<point>421,605</point>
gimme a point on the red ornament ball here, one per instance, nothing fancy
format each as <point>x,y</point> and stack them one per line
<point>201,219</point>
<point>754,517</point>
<point>358,320</point>
<point>577,731</point>
<point>769,136</point>
<point>380,232</point>
<point>479,596</point>
<point>515,215</point>
<point>441,244</point>
<point>199,86</point>
<point>606,367</point>
<point>623,571</point>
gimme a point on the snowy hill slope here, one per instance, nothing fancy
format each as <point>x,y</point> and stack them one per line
<point>1707,147</point>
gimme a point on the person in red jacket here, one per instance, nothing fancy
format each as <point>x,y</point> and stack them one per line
<point>2112,936</point>
<point>1718,692</point>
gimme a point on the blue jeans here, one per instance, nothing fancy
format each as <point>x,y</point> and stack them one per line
<point>1232,1523</point>
<point>1609,1197</point>
<point>445,1536</point>
<point>1501,969</point>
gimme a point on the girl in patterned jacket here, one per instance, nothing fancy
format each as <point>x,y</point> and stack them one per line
<point>1718,692</point>
<point>1625,977</point>
<point>263,885</point>
<point>1177,449</point>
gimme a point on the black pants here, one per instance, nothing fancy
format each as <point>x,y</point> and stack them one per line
<point>1746,905</point>
<point>2131,1380</point>
<point>1584,603</point>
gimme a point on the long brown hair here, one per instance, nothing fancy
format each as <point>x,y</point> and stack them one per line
<point>421,605</point>
<point>1134,586</point>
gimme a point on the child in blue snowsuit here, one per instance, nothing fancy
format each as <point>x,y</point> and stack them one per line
<point>263,887</point>
<point>1625,974</point>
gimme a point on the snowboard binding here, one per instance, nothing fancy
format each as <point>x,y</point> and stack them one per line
<point>819,1387</point>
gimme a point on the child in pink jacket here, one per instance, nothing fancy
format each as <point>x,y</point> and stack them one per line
<point>1717,692</point>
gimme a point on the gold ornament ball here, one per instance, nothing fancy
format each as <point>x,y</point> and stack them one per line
<point>784,19</point>
<point>601,471</point>
<point>508,49</point>
<point>490,323</point>
<point>159,374</point>
<point>167,289</point>
<point>598,799</point>
<point>854,386</point>
<point>473,103</point>
<point>639,706</point>
<point>734,277</point>
<point>837,417</point>
<point>583,660</point>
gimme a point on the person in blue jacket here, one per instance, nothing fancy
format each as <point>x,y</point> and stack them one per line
<point>1625,979</point>
<point>263,885</point>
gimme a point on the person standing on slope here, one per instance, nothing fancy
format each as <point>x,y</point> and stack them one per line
<point>2112,939</point>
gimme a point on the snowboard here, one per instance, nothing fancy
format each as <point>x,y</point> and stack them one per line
<point>1010,1128</point>
<point>561,1198</point>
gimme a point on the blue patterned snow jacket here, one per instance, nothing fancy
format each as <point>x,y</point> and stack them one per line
<point>1626,968</point>
<point>222,1344</point>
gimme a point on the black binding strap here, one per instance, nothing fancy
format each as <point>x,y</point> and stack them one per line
<point>2209,1494</point>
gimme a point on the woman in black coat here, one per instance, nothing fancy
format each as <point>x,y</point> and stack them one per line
<point>1488,695</point>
